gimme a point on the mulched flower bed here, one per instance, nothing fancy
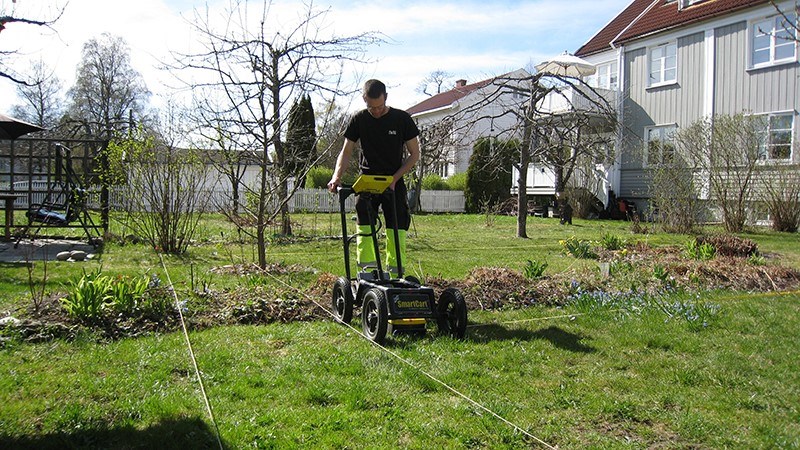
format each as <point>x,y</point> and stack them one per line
<point>485,288</point>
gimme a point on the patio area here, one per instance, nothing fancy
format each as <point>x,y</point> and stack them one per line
<point>42,250</point>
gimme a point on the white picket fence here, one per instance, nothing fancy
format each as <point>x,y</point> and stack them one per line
<point>304,200</point>
<point>320,200</point>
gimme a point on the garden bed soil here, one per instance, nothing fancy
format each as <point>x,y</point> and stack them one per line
<point>484,288</point>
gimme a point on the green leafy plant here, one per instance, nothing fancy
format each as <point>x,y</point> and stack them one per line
<point>91,294</point>
<point>534,269</point>
<point>660,273</point>
<point>124,293</point>
<point>318,177</point>
<point>756,259</point>
<point>578,248</point>
<point>618,267</point>
<point>87,296</point>
<point>457,182</point>
<point>433,182</point>
<point>701,251</point>
<point>611,241</point>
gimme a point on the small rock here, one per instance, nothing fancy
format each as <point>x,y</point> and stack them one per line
<point>12,321</point>
<point>63,256</point>
<point>77,255</point>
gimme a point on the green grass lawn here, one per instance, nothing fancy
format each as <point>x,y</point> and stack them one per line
<point>620,375</point>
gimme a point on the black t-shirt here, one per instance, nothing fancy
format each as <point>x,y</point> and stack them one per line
<point>382,139</point>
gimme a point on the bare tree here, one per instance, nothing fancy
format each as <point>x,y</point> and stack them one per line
<point>10,17</point>
<point>434,83</point>
<point>331,121</point>
<point>231,162</point>
<point>107,90</point>
<point>436,145</point>
<point>789,24</point>
<point>726,151</point>
<point>558,138</point>
<point>250,73</point>
<point>42,97</point>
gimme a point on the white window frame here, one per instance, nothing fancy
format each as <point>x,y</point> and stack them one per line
<point>606,76</point>
<point>662,62</point>
<point>765,152</point>
<point>771,28</point>
<point>665,133</point>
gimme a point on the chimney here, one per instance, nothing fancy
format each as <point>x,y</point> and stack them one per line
<point>461,83</point>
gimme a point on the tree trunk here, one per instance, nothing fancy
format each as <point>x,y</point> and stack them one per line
<point>261,224</point>
<point>522,196</point>
<point>416,191</point>
<point>283,195</point>
<point>235,195</point>
<point>522,181</point>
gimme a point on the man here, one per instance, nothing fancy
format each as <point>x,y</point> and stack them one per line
<point>383,132</point>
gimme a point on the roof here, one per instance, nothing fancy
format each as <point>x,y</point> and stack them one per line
<point>600,41</point>
<point>645,17</point>
<point>447,98</point>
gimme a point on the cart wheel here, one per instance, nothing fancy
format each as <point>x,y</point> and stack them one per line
<point>342,300</point>
<point>452,317</point>
<point>413,280</point>
<point>375,315</point>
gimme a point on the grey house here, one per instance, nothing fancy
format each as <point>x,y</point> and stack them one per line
<point>676,61</point>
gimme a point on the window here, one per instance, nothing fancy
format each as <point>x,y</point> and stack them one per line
<point>605,77</point>
<point>772,41</point>
<point>659,148</point>
<point>663,64</point>
<point>776,143</point>
<point>687,3</point>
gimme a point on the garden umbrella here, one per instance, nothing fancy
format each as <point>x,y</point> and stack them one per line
<point>11,128</point>
<point>567,65</point>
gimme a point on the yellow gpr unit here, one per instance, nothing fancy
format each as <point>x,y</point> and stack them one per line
<point>372,184</point>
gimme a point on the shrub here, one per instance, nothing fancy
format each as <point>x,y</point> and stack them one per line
<point>457,182</point>
<point>785,216</point>
<point>318,177</point>
<point>488,180</point>
<point>780,191</point>
<point>433,182</point>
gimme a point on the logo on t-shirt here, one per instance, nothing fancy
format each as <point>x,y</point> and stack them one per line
<point>392,132</point>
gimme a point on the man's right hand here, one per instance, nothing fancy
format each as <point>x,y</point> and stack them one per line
<point>333,184</point>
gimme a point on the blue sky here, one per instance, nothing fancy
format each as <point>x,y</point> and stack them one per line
<point>469,39</point>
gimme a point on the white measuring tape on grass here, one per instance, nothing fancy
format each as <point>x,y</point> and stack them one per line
<point>357,332</point>
<point>191,354</point>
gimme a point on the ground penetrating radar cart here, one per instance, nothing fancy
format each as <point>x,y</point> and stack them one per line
<point>390,305</point>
